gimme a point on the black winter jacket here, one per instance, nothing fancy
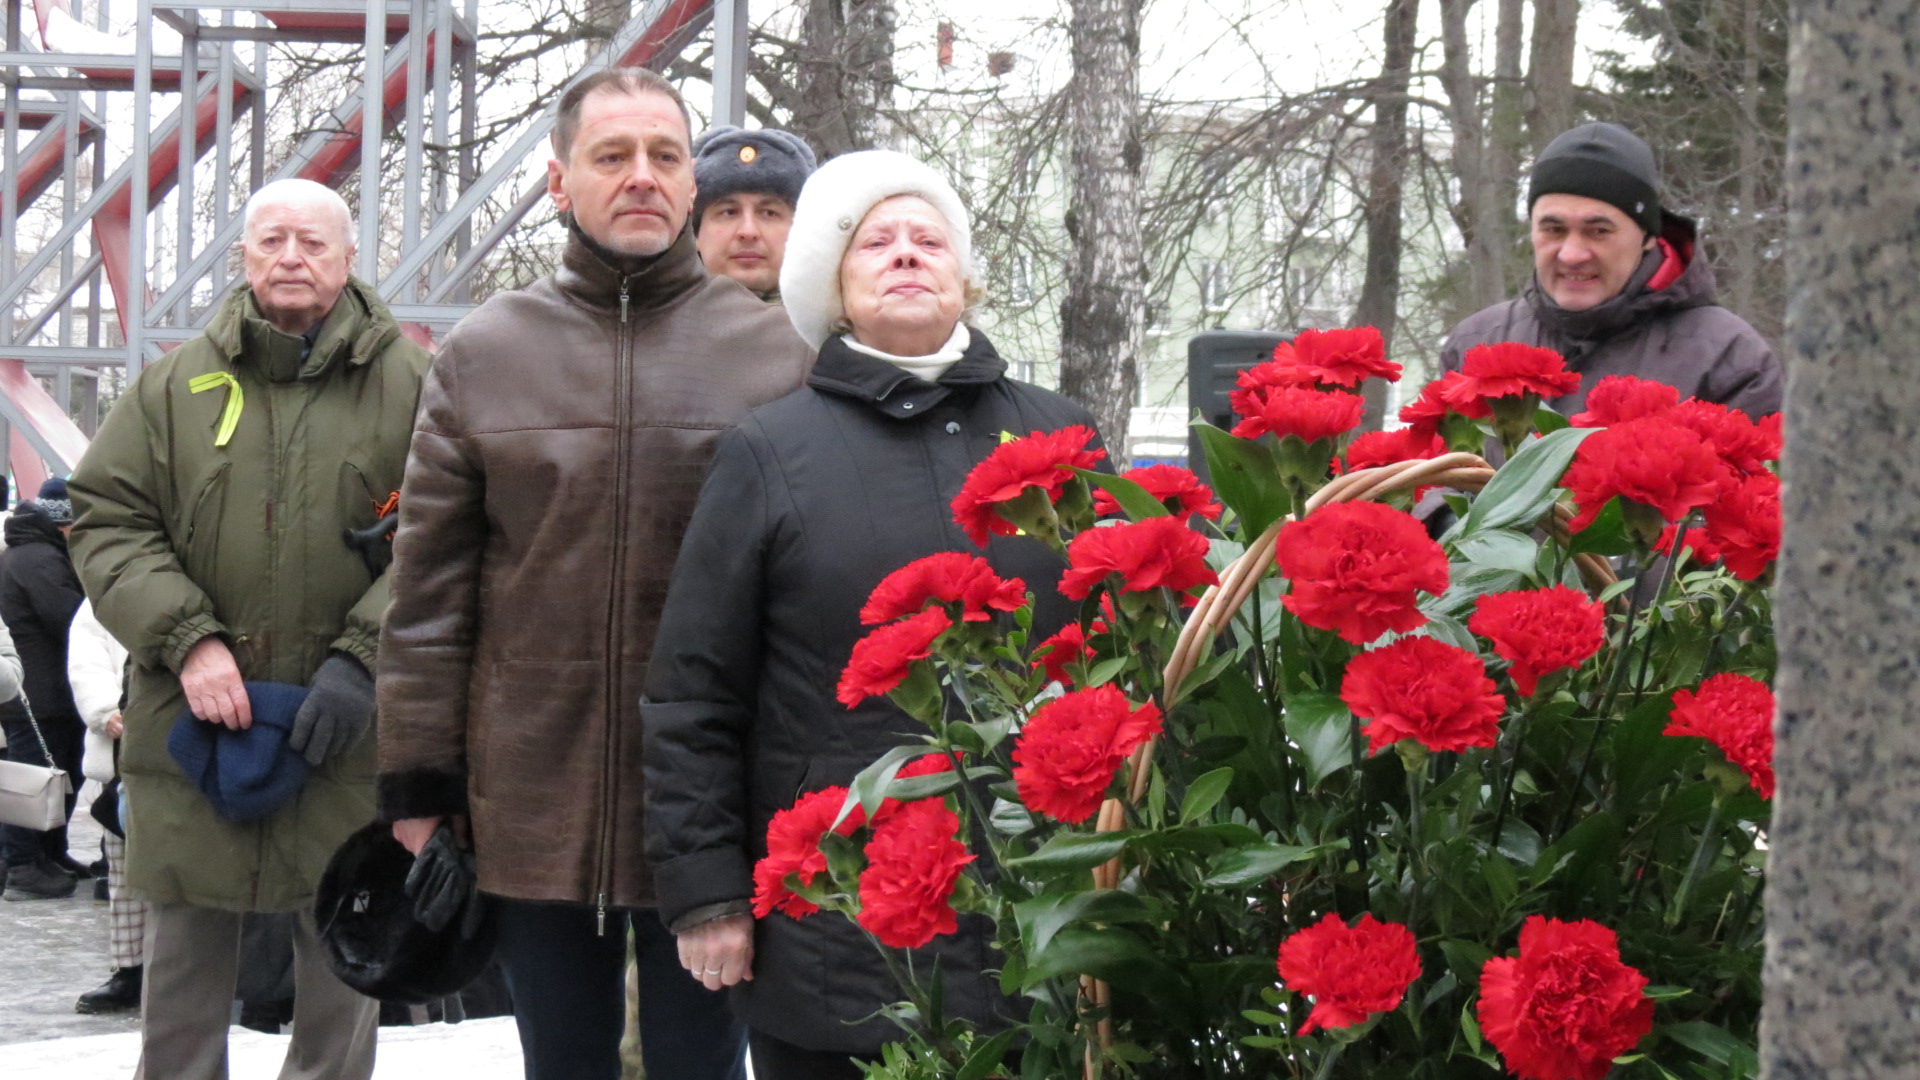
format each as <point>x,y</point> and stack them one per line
<point>39,592</point>
<point>1678,335</point>
<point>810,502</point>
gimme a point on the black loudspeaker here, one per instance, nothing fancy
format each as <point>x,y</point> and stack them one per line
<point>1214,360</point>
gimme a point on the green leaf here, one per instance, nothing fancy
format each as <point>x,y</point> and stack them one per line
<point>1246,477</point>
<point>1256,863</point>
<point>1465,959</point>
<point>1499,549</point>
<point>1203,793</point>
<point>1606,534</point>
<point>1666,993</point>
<point>870,786</point>
<point>1319,724</point>
<point>1525,487</point>
<point>1260,1017</point>
<point>1040,918</point>
<point>1119,956</point>
<point>1546,421</point>
<point>1708,1040</point>
<point>1134,499</point>
<point>1470,1027</point>
<point>986,1057</point>
<point>1104,671</point>
<point>1069,851</point>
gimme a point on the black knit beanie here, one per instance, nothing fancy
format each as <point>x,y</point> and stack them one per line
<point>1605,162</point>
<point>734,161</point>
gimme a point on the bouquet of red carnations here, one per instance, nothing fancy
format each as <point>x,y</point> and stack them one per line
<point>1319,788</point>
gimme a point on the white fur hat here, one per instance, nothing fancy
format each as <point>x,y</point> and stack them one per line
<point>836,198</point>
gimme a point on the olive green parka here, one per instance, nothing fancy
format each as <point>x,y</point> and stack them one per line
<point>177,537</point>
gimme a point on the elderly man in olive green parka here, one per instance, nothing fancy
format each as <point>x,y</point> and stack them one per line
<point>210,511</point>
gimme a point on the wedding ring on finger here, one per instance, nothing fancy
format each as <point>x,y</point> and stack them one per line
<point>709,971</point>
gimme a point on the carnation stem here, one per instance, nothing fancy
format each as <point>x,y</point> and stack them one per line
<point>1513,767</point>
<point>1326,1063</point>
<point>1708,836</point>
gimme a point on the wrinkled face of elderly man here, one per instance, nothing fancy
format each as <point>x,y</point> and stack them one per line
<point>297,250</point>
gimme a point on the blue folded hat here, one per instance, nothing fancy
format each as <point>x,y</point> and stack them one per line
<point>245,774</point>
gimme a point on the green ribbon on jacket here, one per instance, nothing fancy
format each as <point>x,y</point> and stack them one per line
<point>230,415</point>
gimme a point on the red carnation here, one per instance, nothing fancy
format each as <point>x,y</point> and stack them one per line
<point>1043,461</point>
<point>1744,525</point>
<point>1510,369</point>
<point>1356,568</point>
<point>1181,491</point>
<point>1146,554</point>
<point>1566,1006</point>
<point>1651,461</point>
<point>1745,446</point>
<point>793,847</point>
<point>1066,755</point>
<point>881,659</point>
<point>1440,397</point>
<point>1377,448</point>
<point>1326,358</point>
<point>1618,398</point>
<point>1068,646</point>
<point>1540,630</point>
<point>1734,713</point>
<point>1429,691</point>
<point>1350,972</point>
<point>949,577</point>
<point>1307,414</point>
<point>906,892</point>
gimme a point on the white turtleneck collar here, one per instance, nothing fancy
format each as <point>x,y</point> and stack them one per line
<point>925,368</point>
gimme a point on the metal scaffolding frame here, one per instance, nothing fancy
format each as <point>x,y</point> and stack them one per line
<point>76,239</point>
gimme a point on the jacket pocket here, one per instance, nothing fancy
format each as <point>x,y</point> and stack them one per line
<point>200,530</point>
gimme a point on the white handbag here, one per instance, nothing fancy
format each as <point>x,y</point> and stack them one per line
<point>34,796</point>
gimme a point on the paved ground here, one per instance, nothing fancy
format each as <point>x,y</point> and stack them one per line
<point>53,950</point>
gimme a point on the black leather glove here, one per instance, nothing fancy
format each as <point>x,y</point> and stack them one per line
<point>338,709</point>
<point>444,887</point>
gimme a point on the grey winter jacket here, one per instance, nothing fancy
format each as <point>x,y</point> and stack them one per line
<point>1677,335</point>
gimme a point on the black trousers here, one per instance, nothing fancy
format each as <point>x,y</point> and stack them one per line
<point>66,738</point>
<point>568,983</point>
<point>777,1059</point>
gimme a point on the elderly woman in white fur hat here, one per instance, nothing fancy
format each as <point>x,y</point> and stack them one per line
<point>810,502</point>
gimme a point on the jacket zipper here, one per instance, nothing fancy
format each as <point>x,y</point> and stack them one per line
<point>622,401</point>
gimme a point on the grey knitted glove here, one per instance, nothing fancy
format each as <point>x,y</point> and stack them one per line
<point>338,709</point>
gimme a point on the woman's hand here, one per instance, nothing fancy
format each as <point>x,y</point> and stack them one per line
<point>718,953</point>
<point>114,727</point>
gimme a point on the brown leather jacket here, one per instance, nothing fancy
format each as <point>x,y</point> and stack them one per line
<point>563,435</point>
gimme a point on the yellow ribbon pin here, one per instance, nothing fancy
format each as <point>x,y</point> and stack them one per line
<point>230,415</point>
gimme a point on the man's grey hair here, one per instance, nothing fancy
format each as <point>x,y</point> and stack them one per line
<point>294,191</point>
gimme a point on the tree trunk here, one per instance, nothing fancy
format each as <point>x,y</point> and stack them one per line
<point>1843,879</point>
<point>1745,264</point>
<point>1478,211</point>
<point>844,75</point>
<point>1507,139</point>
<point>1550,70</point>
<point>605,17</point>
<point>1386,172</point>
<point>1101,317</point>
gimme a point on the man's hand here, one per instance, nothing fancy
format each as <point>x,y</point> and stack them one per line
<point>211,681</point>
<point>338,709</point>
<point>718,953</point>
<point>114,727</point>
<point>413,833</point>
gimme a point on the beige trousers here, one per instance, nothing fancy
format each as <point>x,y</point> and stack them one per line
<point>193,963</point>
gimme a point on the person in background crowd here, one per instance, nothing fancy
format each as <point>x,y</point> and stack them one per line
<point>38,596</point>
<point>811,501</point>
<point>96,669</point>
<point>211,508</point>
<point>746,183</point>
<point>562,437</point>
<point>1620,285</point>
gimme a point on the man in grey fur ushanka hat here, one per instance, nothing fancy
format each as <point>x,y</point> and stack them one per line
<point>746,184</point>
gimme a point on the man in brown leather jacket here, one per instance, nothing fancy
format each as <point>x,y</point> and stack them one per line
<point>563,435</point>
